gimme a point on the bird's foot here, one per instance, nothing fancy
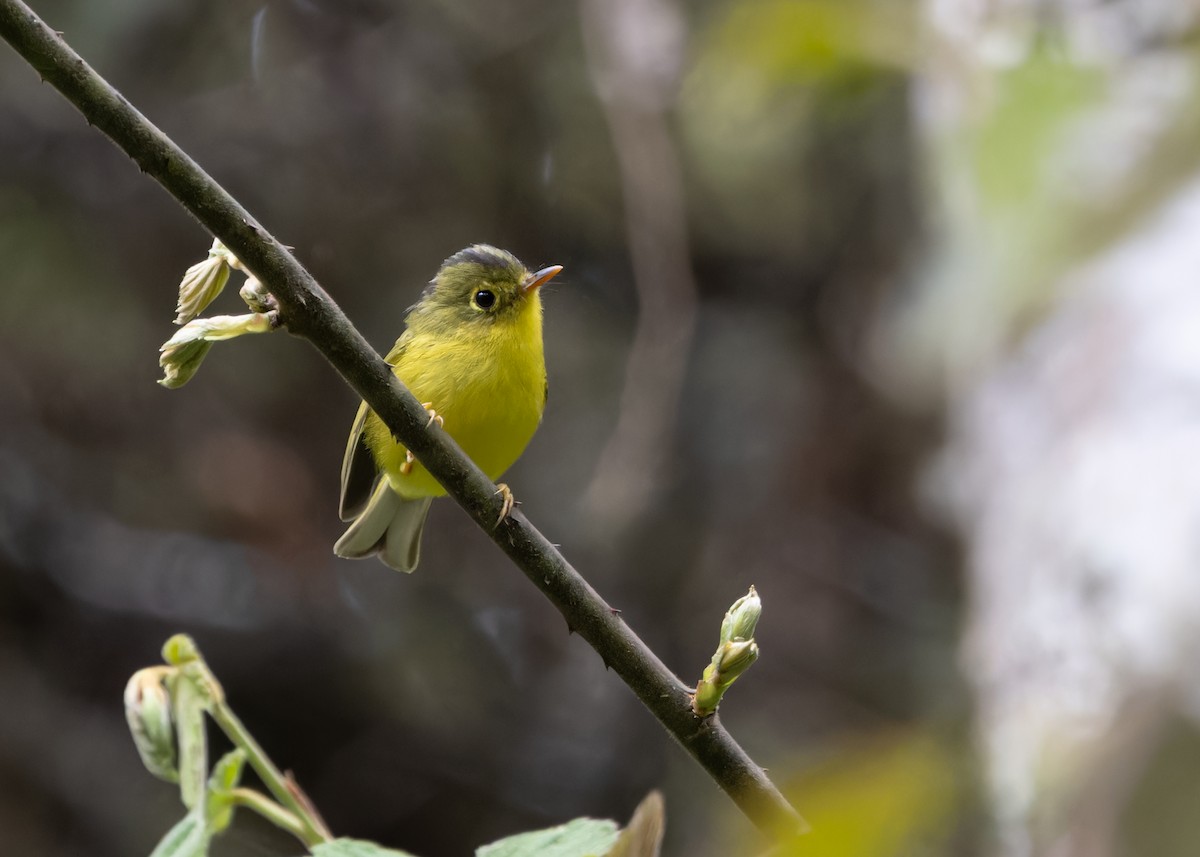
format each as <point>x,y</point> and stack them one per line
<point>434,416</point>
<point>509,501</point>
<point>406,467</point>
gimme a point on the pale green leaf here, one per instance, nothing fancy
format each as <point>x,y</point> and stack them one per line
<point>188,838</point>
<point>355,848</point>
<point>227,772</point>
<point>226,775</point>
<point>583,837</point>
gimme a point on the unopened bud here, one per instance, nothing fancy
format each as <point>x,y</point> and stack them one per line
<point>733,659</point>
<point>707,696</point>
<point>180,650</point>
<point>742,618</point>
<point>256,296</point>
<point>148,712</point>
<point>180,362</point>
<point>734,655</point>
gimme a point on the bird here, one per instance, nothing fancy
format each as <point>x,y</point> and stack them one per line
<point>472,354</point>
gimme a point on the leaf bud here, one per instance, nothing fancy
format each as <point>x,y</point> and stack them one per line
<point>148,712</point>
<point>742,618</point>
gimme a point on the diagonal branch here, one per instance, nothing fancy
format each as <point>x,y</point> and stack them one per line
<point>310,313</point>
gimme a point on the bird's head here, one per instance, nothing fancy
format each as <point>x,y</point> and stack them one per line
<point>481,285</point>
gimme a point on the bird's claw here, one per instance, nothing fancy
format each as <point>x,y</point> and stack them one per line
<point>506,506</point>
<point>434,416</point>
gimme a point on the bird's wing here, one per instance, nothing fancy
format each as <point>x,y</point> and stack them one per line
<point>393,356</point>
<point>359,472</point>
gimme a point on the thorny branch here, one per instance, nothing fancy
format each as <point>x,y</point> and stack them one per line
<point>310,313</point>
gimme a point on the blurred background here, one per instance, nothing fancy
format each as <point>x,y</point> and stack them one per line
<point>887,308</point>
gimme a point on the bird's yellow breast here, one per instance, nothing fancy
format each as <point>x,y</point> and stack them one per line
<point>487,383</point>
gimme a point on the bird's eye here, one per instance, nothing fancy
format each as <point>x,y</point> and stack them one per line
<point>484,299</point>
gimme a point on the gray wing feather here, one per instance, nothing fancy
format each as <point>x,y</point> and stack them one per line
<point>359,473</point>
<point>358,470</point>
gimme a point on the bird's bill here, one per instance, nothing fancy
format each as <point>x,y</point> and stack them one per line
<point>539,278</point>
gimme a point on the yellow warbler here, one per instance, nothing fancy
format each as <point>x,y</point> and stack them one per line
<point>472,353</point>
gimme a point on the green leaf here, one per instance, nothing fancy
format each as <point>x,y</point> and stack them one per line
<point>355,848</point>
<point>201,284</point>
<point>583,837</point>
<point>226,775</point>
<point>188,838</point>
<point>227,772</point>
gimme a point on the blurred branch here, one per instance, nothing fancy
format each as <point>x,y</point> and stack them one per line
<point>309,313</point>
<point>635,51</point>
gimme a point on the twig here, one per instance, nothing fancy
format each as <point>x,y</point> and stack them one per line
<point>311,828</point>
<point>197,677</point>
<point>310,313</point>
<point>274,813</point>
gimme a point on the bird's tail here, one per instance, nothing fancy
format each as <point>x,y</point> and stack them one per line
<point>389,526</point>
